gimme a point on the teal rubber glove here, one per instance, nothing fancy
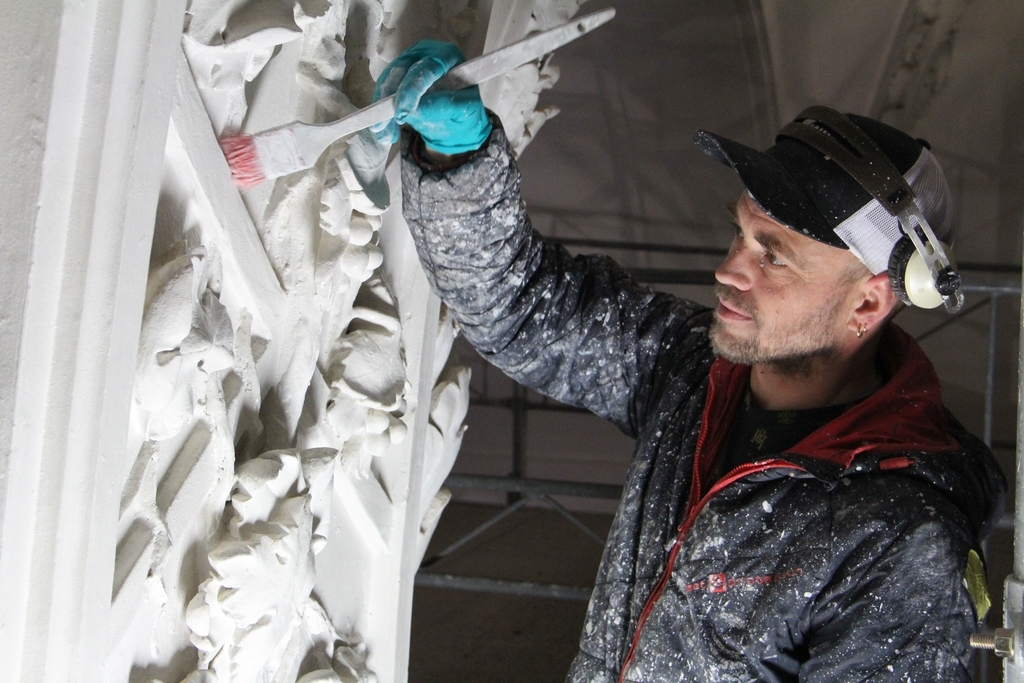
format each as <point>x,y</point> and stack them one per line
<point>450,122</point>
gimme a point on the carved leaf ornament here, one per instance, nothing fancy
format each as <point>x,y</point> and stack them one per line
<point>275,392</point>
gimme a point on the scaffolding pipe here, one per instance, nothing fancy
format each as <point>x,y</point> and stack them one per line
<point>475,532</point>
<point>485,585</point>
<point>574,520</point>
<point>990,388</point>
<point>990,370</point>
<point>688,250</point>
<point>548,406</point>
<point>649,247</point>
<point>535,487</point>
<point>1013,592</point>
<point>703,276</point>
<point>519,436</point>
<point>1005,522</point>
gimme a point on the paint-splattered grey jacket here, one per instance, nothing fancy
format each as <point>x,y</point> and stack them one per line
<point>842,560</point>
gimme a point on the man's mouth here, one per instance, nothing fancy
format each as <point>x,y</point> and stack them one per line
<point>731,311</point>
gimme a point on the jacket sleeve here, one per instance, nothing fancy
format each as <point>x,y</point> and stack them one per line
<point>897,609</point>
<point>578,329</point>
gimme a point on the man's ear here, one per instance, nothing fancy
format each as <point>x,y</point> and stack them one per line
<point>875,301</point>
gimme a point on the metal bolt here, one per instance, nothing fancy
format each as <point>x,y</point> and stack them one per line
<point>947,282</point>
<point>999,641</point>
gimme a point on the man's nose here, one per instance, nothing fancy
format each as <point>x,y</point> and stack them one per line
<point>737,270</point>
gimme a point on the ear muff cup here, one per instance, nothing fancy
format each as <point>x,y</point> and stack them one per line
<point>910,277</point>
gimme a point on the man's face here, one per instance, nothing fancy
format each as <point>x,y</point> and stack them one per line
<point>784,298</point>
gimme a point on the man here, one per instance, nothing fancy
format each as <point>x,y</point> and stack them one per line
<point>799,506</point>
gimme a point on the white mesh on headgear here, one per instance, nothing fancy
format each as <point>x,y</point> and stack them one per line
<point>872,232</point>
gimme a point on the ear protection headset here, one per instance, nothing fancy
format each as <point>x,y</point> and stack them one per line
<point>921,268</point>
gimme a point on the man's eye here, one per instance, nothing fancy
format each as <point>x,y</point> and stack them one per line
<point>773,259</point>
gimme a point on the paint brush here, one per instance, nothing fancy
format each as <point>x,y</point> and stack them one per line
<point>296,146</point>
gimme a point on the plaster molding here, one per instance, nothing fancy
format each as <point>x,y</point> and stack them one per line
<point>104,132</point>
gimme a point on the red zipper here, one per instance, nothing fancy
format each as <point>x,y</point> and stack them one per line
<point>684,528</point>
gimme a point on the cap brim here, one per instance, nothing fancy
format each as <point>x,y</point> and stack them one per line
<point>777,193</point>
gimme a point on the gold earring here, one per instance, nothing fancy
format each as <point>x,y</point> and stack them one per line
<point>860,331</point>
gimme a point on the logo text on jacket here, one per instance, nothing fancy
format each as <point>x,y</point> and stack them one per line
<point>721,582</point>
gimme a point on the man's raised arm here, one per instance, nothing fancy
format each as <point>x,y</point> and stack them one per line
<point>578,329</point>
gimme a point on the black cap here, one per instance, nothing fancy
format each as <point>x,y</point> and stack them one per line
<point>802,188</point>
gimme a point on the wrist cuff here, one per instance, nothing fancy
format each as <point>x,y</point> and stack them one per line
<point>462,147</point>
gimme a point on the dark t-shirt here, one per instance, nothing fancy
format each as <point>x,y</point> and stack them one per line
<point>756,433</point>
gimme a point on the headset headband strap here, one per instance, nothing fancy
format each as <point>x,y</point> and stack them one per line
<point>839,139</point>
<point>855,152</point>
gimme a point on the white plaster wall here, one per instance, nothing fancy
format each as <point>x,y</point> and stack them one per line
<point>26,76</point>
<point>26,79</point>
<point>80,242</point>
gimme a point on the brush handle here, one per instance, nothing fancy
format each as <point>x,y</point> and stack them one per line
<point>502,60</point>
<point>312,139</point>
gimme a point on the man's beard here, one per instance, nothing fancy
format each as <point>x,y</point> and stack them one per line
<point>791,347</point>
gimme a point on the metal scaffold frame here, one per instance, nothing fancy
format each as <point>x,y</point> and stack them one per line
<point>1013,590</point>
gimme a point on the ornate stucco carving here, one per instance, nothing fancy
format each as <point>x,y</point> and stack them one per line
<point>254,619</point>
<point>287,342</point>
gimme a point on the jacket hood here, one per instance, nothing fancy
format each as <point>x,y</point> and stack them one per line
<point>901,426</point>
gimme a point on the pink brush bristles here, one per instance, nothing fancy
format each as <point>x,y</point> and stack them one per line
<point>244,161</point>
